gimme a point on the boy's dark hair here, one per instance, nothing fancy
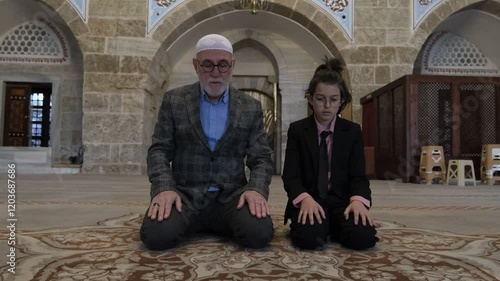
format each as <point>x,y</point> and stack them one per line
<point>330,73</point>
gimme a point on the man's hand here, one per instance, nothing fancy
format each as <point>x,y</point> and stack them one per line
<point>161,205</point>
<point>309,208</point>
<point>359,210</point>
<point>256,203</point>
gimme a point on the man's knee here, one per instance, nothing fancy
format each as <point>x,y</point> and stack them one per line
<point>158,236</point>
<point>256,235</point>
<point>157,240</point>
<point>260,239</point>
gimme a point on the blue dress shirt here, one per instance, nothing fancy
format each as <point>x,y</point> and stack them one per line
<point>214,119</point>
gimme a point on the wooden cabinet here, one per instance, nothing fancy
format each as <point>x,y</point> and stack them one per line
<point>459,113</point>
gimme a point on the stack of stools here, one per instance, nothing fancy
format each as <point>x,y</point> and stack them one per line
<point>490,163</point>
<point>432,164</point>
<point>462,171</point>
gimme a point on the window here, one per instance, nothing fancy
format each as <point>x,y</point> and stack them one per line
<point>40,105</point>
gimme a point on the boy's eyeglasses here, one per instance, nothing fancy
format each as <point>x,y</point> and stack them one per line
<point>208,66</point>
<point>333,102</point>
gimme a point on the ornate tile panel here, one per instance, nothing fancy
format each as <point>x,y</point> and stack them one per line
<point>157,9</point>
<point>341,11</point>
<point>421,8</point>
<point>81,6</point>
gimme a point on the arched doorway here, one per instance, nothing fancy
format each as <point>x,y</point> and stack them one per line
<point>41,69</point>
<point>287,49</point>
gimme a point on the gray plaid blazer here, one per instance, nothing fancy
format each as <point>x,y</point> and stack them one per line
<point>180,158</point>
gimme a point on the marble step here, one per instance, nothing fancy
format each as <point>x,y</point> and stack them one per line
<point>33,160</point>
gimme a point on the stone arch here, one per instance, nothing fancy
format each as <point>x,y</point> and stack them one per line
<point>240,38</point>
<point>66,78</point>
<point>71,17</point>
<point>259,84</point>
<point>191,13</point>
<point>303,13</point>
<point>470,22</point>
<point>433,19</point>
<point>265,86</point>
<point>184,20</point>
<point>271,53</point>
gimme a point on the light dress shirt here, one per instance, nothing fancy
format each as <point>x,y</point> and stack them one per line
<point>214,119</point>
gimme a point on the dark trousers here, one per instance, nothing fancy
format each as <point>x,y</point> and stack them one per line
<point>349,235</point>
<point>215,217</point>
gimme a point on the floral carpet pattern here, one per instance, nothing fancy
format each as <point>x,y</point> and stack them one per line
<point>112,250</point>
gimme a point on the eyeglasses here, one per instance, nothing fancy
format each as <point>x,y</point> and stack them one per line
<point>208,66</point>
<point>333,102</point>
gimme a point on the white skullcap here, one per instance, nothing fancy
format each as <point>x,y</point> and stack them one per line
<point>214,42</point>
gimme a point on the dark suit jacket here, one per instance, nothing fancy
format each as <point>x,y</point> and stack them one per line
<point>180,158</point>
<point>300,173</point>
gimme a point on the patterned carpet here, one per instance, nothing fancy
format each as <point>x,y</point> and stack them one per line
<point>111,250</point>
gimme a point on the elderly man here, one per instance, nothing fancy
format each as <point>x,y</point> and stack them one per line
<point>196,162</point>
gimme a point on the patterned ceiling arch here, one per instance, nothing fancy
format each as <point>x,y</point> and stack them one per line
<point>340,10</point>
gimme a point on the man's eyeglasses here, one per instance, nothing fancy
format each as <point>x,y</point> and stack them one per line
<point>208,66</point>
<point>333,102</point>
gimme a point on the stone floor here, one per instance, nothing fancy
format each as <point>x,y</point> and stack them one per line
<point>46,201</point>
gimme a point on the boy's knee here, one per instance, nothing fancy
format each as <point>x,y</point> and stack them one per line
<point>360,240</point>
<point>308,244</point>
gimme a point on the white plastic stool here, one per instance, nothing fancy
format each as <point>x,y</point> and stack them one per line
<point>432,165</point>
<point>456,170</point>
<point>490,175</point>
<point>490,163</point>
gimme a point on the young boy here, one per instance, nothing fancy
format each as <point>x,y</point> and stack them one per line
<point>324,173</point>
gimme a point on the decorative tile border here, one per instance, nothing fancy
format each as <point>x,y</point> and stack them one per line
<point>421,8</point>
<point>341,11</point>
<point>82,7</point>
<point>157,9</point>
